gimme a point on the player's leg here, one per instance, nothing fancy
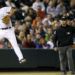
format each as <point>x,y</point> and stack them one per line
<point>1,36</point>
<point>62,58</point>
<point>70,60</point>
<point>12,39</point>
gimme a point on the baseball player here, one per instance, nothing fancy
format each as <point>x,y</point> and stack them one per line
<point>7,31</point>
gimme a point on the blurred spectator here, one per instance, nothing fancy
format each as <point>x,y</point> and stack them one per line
<point>41,43</point>
<point>17,3</point>
<point>20,15</point>
<point>73,23</point>
<point>69,19</point>
<point>32,13</point>
<point>20,38</point>
<point>28,19</point>
<point>36,21</point>
<point>9,45</point>
<point>28,43</point>
<point>26,28</point>
<point>16,27</point>
<point>60,8</point>
<point>45,3</point>
<point>72,6</point>
<point>40,12</point>
<point>1,44</point>
<point>10,3</point>
<point>48,19</point>
<point>27,2</point>
<point>25,8</point>
<point>56,23</point>
<point>51,9</point>
<point>72,3</point>
<point>48,35</point>
<point>50,44</point>
<point>38,3</point>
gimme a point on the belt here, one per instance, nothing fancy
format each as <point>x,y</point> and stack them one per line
<point>5,28</point>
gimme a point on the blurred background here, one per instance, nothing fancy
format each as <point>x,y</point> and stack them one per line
<point>35,21</point>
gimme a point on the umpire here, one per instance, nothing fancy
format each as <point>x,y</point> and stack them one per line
<point>63,40</point>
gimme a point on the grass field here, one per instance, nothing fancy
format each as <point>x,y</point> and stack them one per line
<point>31,73</point>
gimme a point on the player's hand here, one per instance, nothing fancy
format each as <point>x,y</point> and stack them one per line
<point>6,19</point>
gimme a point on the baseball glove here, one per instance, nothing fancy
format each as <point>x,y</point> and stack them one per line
<point>6,19</point>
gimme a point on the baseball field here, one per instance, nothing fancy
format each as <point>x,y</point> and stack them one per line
<point>31,73</point>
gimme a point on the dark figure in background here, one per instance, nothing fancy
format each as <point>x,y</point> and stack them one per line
<point>63,40</point>
<point>28,42</point>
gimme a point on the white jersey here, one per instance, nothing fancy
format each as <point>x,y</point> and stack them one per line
<point>3,12</point>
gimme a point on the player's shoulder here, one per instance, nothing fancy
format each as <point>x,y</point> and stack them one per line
<point>4,8</point>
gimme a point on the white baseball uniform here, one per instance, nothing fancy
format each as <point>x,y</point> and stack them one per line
<point>7,31</point>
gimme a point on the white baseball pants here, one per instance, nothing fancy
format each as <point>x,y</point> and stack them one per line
<point>10,35</point>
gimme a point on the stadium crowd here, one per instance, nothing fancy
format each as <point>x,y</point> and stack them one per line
<point>35,21</point>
